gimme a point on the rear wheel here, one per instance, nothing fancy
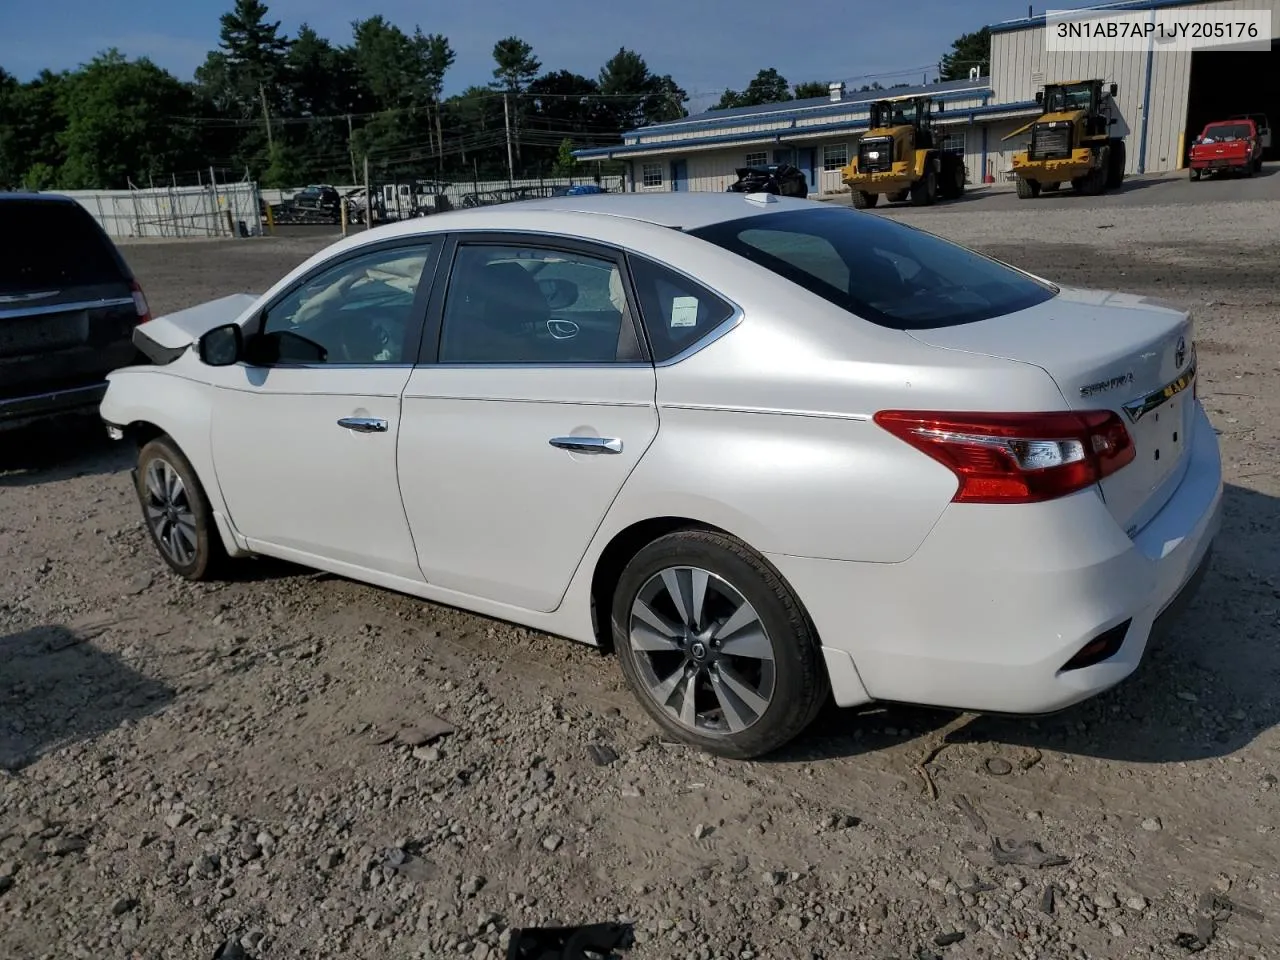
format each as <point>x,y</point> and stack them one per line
<point>177,512</point>
<point>715,646</point>
<point>1028,189</point>
<point>1257,165</point>
<point>863,200</point>
<point>1115,168</point>
<point>1249,169</point>
<point>924,191</point>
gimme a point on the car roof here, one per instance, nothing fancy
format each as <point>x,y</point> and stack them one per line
<point>29,196</point>
<point>677,210</point>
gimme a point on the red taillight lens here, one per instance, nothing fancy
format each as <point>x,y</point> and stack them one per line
<point>1016,457</point>
<point>140,303</point>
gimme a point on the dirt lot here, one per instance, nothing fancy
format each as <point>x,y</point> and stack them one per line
<point>186,766</point>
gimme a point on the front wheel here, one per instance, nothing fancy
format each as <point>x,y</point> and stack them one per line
<point>863,200</point>
<point>925,190</point>
<point>715,646</point>
<point>1194,175</point>
<point>177,513</point>
<point>1027,189</point>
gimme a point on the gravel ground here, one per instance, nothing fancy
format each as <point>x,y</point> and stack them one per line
<point>292,765</point>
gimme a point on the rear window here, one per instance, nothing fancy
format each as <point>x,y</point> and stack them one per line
<point>61,246</point>
<point>883,271</point>
<point>1228,131</point>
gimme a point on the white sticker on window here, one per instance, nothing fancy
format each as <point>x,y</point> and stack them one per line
<point>684,312</point>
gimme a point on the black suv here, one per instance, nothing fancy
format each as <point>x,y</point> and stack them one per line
<point>68,308</point>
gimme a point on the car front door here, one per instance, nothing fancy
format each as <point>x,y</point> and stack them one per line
<point>304,430</point>
<point>533,403</point>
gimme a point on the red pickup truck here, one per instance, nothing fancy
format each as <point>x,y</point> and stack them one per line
<point>1227,146</point>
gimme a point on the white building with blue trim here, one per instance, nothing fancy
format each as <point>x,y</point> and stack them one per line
<point>1165,97</point>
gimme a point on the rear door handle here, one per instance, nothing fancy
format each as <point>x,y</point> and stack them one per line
<point>364,424</point>
<point>588,444</point>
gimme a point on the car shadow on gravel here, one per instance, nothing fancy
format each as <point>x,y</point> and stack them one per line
<point>1207,688</point>
<point>59,449</point>
<point>57,688</point>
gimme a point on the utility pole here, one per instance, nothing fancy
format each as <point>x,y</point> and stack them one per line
<point>506,116</point>
<point>368,197</point>
<point>351,148</point>
<point>266,116</point>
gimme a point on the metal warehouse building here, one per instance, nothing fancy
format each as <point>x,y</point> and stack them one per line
<point>1165,98</point>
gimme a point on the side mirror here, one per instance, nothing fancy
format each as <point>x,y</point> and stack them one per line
<point>1113,89</point>
<point>1039,96</point>
<point>222,346</point>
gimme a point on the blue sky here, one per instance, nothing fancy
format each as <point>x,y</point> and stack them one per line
<point>705,44</point>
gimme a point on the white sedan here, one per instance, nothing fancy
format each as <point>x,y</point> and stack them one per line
<point>768,451</point>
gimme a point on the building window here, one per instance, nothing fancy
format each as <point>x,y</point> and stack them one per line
<point>760,159</point>
<point>652,174</point>
<point>835,156</point>
<point>952,143</point>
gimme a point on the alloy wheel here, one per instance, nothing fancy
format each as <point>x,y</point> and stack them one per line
<point>702,652</point>
<point>169,513</point>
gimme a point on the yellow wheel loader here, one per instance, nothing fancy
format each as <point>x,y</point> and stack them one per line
<point>1071,141</point>
<point>898,156</point>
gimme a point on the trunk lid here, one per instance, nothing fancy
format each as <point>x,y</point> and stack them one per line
<point>1128,354</point>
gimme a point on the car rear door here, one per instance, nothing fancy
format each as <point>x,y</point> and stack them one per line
<point>532,404</point>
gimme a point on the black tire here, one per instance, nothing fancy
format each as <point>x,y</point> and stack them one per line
<point>799,687</point>
<point>1194,175</point>
<point>1249,170</point>
<point>924,191</point>
<point>209,557</point>
<point>1116,165</point>
<point>1257,165</point>
<point>1095,181</point>
<point>898,196</point>
<point>1027,189</point>
<point>863,200</point>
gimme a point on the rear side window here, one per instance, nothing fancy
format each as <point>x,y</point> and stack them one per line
<point>880,270</point>
<point>677,311</point>
<point>61,246</point>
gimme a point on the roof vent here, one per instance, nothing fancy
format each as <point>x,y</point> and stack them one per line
<point>762,198</point>
<point>836,91</point>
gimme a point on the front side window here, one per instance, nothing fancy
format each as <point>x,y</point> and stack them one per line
<point>677,312</point>
<point>360,311</point>
<point>880,270</point>
<point>528,304</point>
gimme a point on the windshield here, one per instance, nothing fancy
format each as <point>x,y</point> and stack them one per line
<point>1066,99</point>
<point>883,271</point>
<point>894,113</point>
<point>1227,131</point>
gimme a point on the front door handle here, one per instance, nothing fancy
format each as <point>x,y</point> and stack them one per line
<point>364,424</point>
<point>588,444</point>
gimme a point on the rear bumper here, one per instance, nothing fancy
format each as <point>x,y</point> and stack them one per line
<point>19,411</point>
<point>1220,163</point>
<point>999,598</point>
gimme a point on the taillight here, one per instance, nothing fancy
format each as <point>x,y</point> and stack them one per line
<point>1016,457</point>
<point>140,303</point>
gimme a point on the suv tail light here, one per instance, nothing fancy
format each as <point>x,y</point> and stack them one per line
<point>1016,457</point>
<point>140,303</point>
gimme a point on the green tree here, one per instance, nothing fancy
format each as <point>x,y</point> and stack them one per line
<point>566,163</point>
<point>968,51</point>
<point>32,119</point>
<point>633,96</point>
<point>515,70</point>
<point>809,90</point>
<point>768,86</point>
<point>120,123</point>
